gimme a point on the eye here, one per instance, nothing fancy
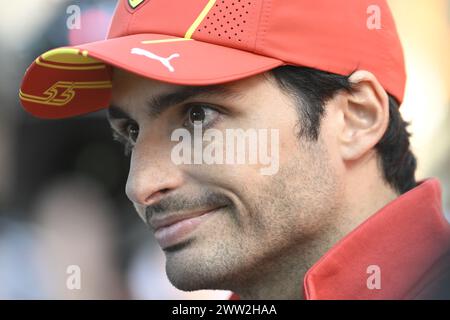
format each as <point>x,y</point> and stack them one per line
<point>132,131</point>
<point>202,113</point>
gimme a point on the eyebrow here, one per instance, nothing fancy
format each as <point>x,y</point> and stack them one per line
<point>157,105</point>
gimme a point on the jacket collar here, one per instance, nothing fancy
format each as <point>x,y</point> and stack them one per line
<point>399,243</point>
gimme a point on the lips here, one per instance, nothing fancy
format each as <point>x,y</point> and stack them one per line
<point>174,229</point>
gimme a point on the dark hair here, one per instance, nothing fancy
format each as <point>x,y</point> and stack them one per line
<point>312,88</point>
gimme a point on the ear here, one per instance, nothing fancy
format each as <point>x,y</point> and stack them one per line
<point>365,116</point>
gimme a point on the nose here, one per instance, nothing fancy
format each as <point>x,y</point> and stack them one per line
<point>152,175</point>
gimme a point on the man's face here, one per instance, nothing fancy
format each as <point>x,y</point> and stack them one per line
<point>232,222</point>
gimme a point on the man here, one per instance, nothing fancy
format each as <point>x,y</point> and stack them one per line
<point>340,216</point>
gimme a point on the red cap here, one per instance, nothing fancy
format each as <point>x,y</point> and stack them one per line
<point>204,42</point>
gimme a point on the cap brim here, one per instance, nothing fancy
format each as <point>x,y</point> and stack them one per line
<point>71,81</point>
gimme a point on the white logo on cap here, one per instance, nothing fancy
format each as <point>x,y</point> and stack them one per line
<point>151,55</point>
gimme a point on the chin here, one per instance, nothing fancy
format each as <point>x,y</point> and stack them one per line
<point>190,278</point>
<point>191,268</point>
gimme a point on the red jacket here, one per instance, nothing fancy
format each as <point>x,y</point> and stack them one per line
<point>406,245</point>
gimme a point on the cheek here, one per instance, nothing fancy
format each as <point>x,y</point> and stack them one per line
<point>297,202</point>
<point>329,140</point>
<point>248,156</point>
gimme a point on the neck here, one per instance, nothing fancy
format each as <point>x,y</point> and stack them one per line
<point>282,277</point>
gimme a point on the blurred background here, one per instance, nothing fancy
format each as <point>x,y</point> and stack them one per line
<point>62,199</point>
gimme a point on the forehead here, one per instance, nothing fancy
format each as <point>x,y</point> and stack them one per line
<point>127,85</point>
<point>130,88</point>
